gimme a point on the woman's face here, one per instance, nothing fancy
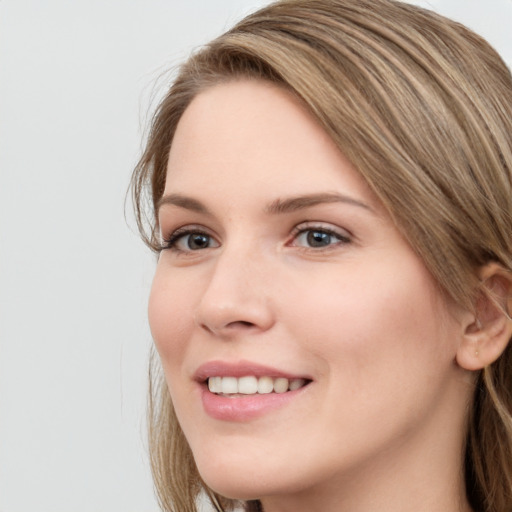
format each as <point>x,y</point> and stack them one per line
<point>279,263</point>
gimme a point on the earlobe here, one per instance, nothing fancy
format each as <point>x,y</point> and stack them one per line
<point>488,334</point>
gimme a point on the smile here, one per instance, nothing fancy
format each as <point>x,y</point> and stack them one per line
<point>251,385</point>
<point>242,391</point>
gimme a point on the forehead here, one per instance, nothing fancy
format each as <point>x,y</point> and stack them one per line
<point>242,117</point>
<point>249,132</point>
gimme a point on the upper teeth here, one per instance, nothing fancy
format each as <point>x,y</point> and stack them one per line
<point>251,385</point>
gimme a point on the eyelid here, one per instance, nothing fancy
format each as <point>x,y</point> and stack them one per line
<point>169,241</point>
<point>343,235</point>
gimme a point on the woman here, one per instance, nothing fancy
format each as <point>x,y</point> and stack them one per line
<point>331,188</point>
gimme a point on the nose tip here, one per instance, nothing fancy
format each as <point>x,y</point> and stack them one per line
<point>229,321</point>
<point>235,300</point>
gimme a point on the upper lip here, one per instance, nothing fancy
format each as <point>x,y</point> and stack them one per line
<point>241,369</point>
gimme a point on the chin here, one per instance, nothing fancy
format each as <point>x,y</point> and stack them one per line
<point>234,484</point>
<point>250,479</point>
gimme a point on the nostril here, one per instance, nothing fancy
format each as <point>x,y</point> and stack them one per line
<point>240,323</point>
<point>206,328</point>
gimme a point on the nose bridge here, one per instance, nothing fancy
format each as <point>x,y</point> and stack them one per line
<point>236,295</point>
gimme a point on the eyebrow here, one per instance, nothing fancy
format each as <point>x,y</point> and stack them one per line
<point>278,206</point>
<point>300,202</point>
<point>186,202</point>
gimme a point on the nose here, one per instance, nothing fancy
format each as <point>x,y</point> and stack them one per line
<point>236,300</point>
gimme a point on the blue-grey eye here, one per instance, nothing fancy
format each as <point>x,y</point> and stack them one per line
<point>197,241</point>
<point>189,240</point>
<point>318,238</point>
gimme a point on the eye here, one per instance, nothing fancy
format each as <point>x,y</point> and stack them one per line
<point>318,238</point>
<point>189,239</point>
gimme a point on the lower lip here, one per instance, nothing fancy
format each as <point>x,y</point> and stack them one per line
<point>244,408</point>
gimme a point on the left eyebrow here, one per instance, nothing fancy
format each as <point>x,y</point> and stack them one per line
<point>188,203</point>
<point>300,202</point>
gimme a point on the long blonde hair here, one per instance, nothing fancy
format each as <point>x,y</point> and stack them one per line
<point>422,107</point>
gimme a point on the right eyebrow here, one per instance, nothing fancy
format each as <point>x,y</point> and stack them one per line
<point>292,204</point>
<point>186,202</point>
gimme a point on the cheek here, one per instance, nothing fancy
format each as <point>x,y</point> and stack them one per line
<point>170,321</point>
<point>383,345</point>
<point>388,317</point>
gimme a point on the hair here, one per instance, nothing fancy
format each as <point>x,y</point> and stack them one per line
<point>422,107</point>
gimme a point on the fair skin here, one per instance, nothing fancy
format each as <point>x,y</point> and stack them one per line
<point>285,262</point>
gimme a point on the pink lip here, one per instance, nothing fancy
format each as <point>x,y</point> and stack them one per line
<point>242,408</point>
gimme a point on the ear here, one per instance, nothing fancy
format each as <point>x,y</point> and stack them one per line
<point>487,334</point>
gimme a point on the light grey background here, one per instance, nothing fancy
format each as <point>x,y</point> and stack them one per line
<point>76,80</point>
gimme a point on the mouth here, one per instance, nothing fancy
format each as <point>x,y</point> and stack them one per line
<point>242,391</point>
<point>231,386</point>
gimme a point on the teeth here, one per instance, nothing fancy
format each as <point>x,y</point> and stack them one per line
<point>229,385</point>
<point>250,385</point>
<point>247,385</point>
<point>215,384</point>
<point>296,384</point>
<point>281,385</point>
<point>265,385</point>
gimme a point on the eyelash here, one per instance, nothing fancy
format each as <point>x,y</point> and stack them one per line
<point>343,238</point>
<point>171,242</point>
